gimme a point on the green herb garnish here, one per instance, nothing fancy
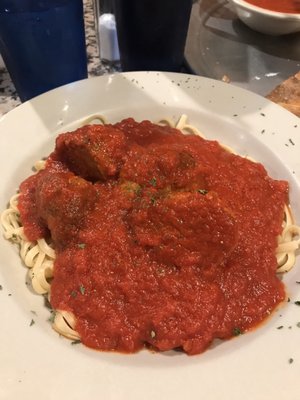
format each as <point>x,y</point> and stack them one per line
<point>52,317</point>
<point>153,181</point>
<point>202,191</point>
<point>32,322</point>
<point>297,303</point>
<point>81,245</point>
<point>153,200</point>
<point>237,331</point>
<point>75,342</point>
<point>132,187</point>
<point>82,289</point>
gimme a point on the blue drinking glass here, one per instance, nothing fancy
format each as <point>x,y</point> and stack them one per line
<point>42,43</point>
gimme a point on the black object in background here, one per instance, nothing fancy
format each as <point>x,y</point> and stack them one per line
<point>152,33</point>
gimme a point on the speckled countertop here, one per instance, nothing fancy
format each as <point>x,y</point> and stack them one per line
<point>8,95</point>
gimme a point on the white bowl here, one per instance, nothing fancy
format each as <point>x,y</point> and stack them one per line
<point>266,21</point>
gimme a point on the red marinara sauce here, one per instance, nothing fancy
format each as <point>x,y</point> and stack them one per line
<point>163,240</point>
<point>284,6</point>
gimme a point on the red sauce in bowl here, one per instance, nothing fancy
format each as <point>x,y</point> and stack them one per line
<point>283,6</point>
<point>162,239</point>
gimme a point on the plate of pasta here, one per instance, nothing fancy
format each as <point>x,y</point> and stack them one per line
<point>150,242</point>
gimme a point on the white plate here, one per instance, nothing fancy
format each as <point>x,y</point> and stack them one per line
<point>35,362</point>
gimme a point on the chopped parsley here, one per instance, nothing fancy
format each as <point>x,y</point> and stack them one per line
<point>202,191</point>
<point>52,317</point>
<point>74,293</point>
<point>138,190</point>
<point>81,245</point>
<point>82,289</point>
<point>32,322</point>
<point>297,303</point>
<point>279,327</point>
<point>153,181</point>
<point>153,200</point>
<point>75,342</point>
<point>237,331</point>
<point>298,324</point>
<point>1,287</point>
<point>291,360</point>
<point>132,187</point>
<point>291,141</point>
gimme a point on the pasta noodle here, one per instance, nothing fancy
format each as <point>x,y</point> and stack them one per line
<point>39,256</point>
<point>288,243</point>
